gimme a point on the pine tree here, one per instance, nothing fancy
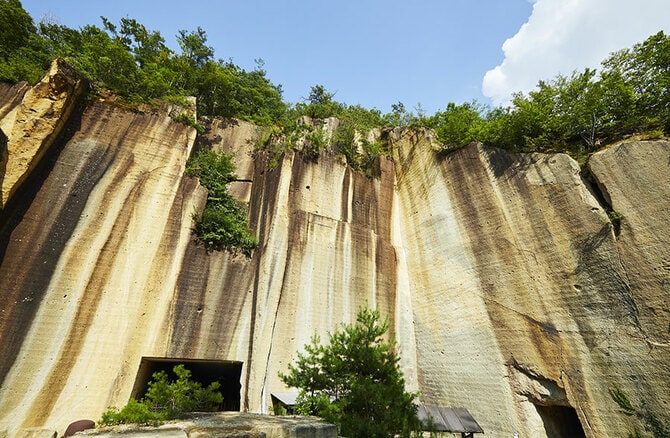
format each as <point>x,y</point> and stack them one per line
<point>355,381</point>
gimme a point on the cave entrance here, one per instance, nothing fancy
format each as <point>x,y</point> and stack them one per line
<point>560,421</point>
<point>227,373</point>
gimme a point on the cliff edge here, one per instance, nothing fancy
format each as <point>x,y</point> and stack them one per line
<point>32,118</point>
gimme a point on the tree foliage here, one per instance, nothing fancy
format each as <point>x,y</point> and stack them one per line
<point>576,113</point>
<point>167,399</point>
<point>320,104</point>
<point>303,127</point>
<point>355,381</point>
<point>351,137</point>
<point>226,90</point>
<point>457,125</point>
<point>16,27</point>
<point>22,54</point>
<point>135,63</point>
<point>215,170</point>
<point>223,223</point>
<point>176,397</point>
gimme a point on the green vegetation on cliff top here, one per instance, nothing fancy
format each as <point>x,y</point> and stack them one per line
<point>575,114</point>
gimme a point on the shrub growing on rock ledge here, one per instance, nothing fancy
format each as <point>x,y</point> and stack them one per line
<point>223,223</point>
<point>166,400</point>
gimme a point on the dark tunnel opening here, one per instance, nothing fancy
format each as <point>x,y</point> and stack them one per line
<point>560,421</point>
<point>227,373</point>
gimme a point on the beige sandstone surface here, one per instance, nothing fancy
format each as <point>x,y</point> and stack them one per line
<point>32,119</point>
<point>228,424</point>
<point>509,290</point>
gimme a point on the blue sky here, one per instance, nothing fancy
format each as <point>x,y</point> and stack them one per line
<point>378,52</point>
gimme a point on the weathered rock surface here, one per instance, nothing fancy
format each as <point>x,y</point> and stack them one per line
<point>228,424</point>
<point>509,289</point>
<point>33,123</point>
<point>238,138</point>
<point>521,289</point>
<point>635,181</point>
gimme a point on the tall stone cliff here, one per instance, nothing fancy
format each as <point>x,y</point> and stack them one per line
<point>529,291</point>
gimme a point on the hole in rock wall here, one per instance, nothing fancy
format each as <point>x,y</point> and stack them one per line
<point>227,373</point>
<point>560,421</point>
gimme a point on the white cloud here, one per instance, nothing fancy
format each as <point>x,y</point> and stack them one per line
<point>561,36</point>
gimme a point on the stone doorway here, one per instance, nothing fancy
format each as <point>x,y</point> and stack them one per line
<point>227,373</point>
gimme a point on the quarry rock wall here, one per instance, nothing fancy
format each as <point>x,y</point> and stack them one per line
<point>527,290</point>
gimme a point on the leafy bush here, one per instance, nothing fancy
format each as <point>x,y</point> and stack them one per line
<point>215,171</point>
<point>223,226</point>
<point>575,113</point>
<point>134,412</point>
<point>458,125</point>
<point>315,142</point>
<point>292,134</point>
<point>166,400</point>
<point>223,223</point>
<point>173,399</point>
<point>344,142</point>
<point>189,121</point>
<point>320,104</point>
<point>22,52</point>
<point>348,140</point>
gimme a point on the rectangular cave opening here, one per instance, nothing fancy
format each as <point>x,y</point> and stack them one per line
<point>560,421</point>
<point>227,373</point>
